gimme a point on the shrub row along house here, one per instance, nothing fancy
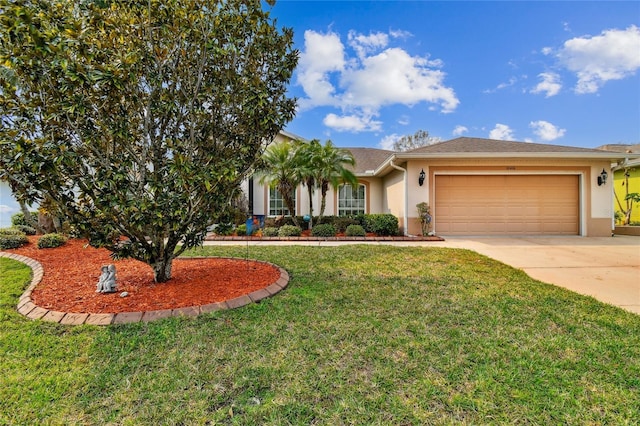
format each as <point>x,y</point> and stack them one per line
<point>473,187</point>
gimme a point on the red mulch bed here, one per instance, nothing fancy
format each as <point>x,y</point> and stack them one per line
<point>71,273</point>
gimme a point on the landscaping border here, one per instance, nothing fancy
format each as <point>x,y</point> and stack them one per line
<point>30,310</point>
<point>345,239</point>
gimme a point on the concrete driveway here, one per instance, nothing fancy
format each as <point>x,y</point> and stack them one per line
<point>606,268</point>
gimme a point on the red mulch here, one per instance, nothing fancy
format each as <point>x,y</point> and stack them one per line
<point>71,273</point>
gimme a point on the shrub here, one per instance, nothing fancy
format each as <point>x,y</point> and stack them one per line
<point>51,241</point>
<point>11,231</point>
<point>355,231</point>
<point>382,224</point>
<point>270,231</point>
<point>223,229</point>
<point>341,223</point>
<point>26,229</point>
<point>18,218</point>
<point>241,230</point>
<point>323,230</point>
<point>289,231</point>
<point>11,238</point>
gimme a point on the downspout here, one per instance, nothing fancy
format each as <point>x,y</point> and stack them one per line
<point>406,196</point>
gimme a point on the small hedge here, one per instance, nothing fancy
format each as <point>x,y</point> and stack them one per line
<point>323,230</point>
<point>26,229</point>
<point>289,231</point>
<point>270,231</point>
<point>51,241</point>
<point>11,238</point>
<point>355,231</point>
<point>18,218</point>
<point>381,224</point>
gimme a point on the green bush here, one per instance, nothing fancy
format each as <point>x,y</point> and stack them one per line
<point>51,241</point>
<point>289,231</point>
<point>18,218</point>
<point>223,229</point>
<point>11,238</point>
<point>241,230</point>
<point>323,230</point>
<point>270,231</point>
<point>382,224</point>
<point>11,231</point>
<point>26,229</point>
<point>341,223</point>
<point>355,231</point>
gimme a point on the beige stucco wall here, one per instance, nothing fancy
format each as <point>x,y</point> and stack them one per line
<point>393,195</point>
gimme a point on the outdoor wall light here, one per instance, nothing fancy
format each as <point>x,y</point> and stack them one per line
<point>602,177</point>
<point>421,177</point>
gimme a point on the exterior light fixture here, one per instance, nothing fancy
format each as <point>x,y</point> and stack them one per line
<point>602,177</point>
<point>421,177</point>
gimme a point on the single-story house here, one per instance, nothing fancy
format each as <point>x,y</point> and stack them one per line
<point>473,186</point>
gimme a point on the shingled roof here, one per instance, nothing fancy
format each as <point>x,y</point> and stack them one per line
<point>471,145</point>
<point>368,159</point>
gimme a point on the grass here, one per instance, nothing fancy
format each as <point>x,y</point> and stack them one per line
<point>366,335</point>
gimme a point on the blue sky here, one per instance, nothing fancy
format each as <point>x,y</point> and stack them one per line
<point>565,73</point>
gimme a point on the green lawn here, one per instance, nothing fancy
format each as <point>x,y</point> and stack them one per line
<point>363,335</point>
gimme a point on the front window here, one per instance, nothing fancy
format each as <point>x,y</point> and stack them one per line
<point>277,206</point>
<point>351,200</point>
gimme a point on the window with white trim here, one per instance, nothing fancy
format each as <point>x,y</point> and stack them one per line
<point>277,206</point>
<point>351,201</point>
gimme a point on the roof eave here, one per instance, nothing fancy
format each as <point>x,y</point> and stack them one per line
<point>605,156</point>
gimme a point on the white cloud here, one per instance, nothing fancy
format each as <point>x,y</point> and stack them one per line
<point>395,77</point>
<point>550,84</point>
<point>388,141</point>
<point>511,82</point>
<point>459,130</point>
<point>612,55</point>
<point>502,132</point>
<point>377,75</point>
<point>352,123</point>
<point>7,209</point>
<point>364,45</point>
<point>322,55</point>
<point>546,131</point>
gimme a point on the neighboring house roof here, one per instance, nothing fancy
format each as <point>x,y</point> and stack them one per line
<point>368,159</point>
<point>627,161</point>
<point>619,147</point>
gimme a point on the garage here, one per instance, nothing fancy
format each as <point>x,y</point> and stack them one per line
<point>507,204</point>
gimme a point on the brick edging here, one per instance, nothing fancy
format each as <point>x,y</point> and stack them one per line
<point>30,310</point>
<point>342,239</point>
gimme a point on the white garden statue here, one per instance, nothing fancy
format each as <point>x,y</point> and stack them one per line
<point>107,281</point>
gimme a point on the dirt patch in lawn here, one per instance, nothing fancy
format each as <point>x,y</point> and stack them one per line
<point>71,273</point>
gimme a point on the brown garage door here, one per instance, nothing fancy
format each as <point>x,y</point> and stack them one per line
<point>504,205</point>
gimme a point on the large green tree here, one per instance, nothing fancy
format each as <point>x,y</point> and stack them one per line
<point>139,119</point>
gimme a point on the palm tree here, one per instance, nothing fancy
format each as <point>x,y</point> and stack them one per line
<point>309,155</point>
<point>332,168</point>
<point>281,171</point>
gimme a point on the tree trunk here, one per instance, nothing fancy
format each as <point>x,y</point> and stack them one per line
<point>162,270</point>
<point>310,189</point>
<point>29,220</point>
<point>324,188</point>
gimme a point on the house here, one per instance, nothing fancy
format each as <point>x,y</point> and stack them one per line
<point>474,187</point>
<point>626,179</point>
